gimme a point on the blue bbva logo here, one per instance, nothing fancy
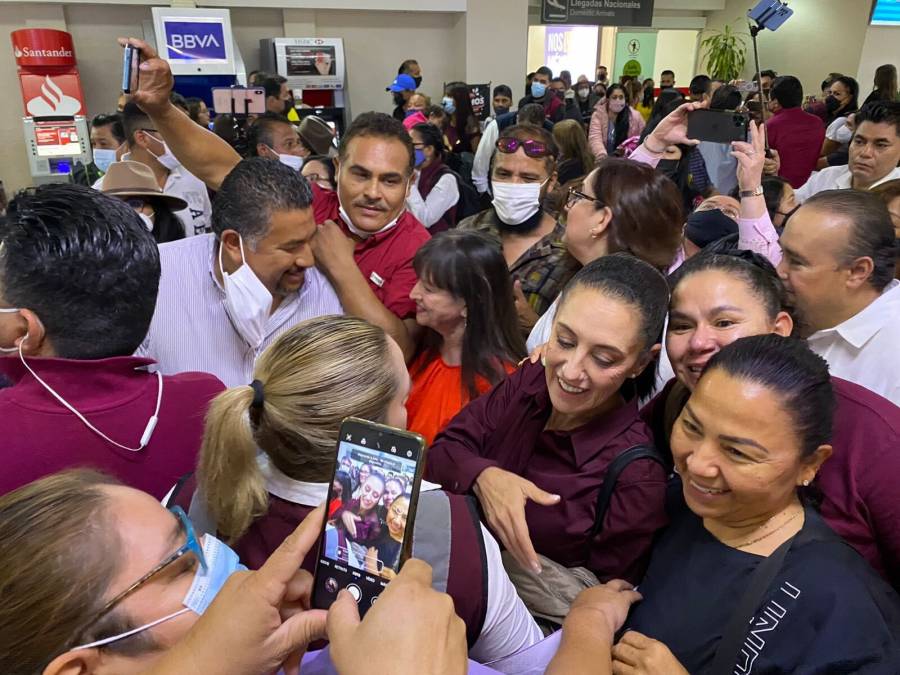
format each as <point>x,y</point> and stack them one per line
<point>195,40</point>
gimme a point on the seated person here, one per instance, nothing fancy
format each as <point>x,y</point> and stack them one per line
<point>78,277</point>
<point>464,301</point>
<point>142,593</point>
<point>753,435</point>
<point>717,299</point>
<point>536,448</point>
<point>269,452</point>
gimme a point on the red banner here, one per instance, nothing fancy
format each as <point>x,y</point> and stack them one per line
<point>43,47</point>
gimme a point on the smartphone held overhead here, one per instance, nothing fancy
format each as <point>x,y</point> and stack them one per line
<point>718,126</point>
<point>371,508</point>
<point>131,60</point>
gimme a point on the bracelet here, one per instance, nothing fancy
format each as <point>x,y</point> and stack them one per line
<point>755,192</point>
<point>651,151</point>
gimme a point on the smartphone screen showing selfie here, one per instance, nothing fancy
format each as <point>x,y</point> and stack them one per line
<point>718,126</point>
<point>367,533</point>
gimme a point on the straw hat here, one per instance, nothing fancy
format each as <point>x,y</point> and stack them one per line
<point>133,179</point>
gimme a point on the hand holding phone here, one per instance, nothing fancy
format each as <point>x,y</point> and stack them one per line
<point>367,535</point>
<point>156,82</point>
<point>717,126</point>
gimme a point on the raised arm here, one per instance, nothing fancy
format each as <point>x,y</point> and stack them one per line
<point>199,150</point>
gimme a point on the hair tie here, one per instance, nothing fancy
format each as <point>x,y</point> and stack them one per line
<point>258,395</point>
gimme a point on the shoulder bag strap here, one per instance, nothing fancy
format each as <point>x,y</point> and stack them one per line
<point>736,631</point>
<point>612,476</point>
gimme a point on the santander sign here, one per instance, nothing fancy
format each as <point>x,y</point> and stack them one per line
<point>43,47</point>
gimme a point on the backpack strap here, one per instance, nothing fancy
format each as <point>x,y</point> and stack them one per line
<point>616,467</point>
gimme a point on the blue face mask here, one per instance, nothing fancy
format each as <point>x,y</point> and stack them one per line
<point>538,89</point>
<point>420,157</point>
<point>449,105</point>
<point>103,158</point>
<point>221,563</point>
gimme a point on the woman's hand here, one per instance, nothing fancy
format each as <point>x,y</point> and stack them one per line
<point>751,158</point>
<point>412,629</point>
<point>610,601</point>
<point>537,354</point>
<point>637,654</point>
<point>672,130</point>
<point>350,520</point>
<point>503,496</point>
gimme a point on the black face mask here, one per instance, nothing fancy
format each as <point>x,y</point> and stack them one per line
<point>831,104</point>
<point>500,110</point>
<point>668,167</point>
<point>787,216</point>
<point>288,106</point>
<point>418,81</point>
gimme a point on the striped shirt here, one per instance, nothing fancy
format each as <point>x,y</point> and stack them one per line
<point>191,331</point>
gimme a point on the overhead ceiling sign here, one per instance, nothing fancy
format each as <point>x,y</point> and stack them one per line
<point>598,12</point>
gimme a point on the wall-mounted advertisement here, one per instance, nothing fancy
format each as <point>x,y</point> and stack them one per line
<point>311,63</point>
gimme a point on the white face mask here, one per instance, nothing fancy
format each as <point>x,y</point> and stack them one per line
<point>293,161</point>
<point>247,301</point>
<point>167,159</point>
<point>517,202</point>
<point>103,158</point>
<point>147,220</point>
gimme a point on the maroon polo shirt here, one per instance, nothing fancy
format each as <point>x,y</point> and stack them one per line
<point>41,437</point>
<point>386,258</point>
<point>797,136</point>
<point>859,481</point>
<point>505,428</point>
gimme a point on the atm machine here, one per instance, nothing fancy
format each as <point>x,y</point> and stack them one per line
<point>315,70</point>
<point>200,49</point>
<point>54,145</point>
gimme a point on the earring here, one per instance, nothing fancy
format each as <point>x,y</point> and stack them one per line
<point>806,483</point>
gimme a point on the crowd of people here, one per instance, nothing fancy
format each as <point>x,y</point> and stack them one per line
<point>658,378</point>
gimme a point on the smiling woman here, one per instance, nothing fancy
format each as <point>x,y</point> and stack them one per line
<point>548,433</point>
<point>746,552</point>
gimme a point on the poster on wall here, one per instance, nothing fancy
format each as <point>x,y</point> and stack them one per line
<point>635,54</point>
<point>598,12</point>
<point>572,48</point>
<point>480,94</point>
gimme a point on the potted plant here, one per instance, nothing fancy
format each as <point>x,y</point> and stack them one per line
<point>725,54</point>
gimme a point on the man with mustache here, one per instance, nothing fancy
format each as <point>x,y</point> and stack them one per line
<point>366,239</point>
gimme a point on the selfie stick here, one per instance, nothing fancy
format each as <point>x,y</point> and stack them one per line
<point>767,14</point>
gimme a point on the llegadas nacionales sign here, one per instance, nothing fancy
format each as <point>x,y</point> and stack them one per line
<point>598,12</point>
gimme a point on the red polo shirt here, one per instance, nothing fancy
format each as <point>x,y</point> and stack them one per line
<point>41,437</point>
<point>386,258</point>
<point>797,136</point>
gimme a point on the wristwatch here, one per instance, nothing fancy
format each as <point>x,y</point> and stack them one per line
<point>756,192</point>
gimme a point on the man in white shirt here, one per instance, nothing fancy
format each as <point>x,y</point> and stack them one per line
<point>874,154</point>
<point>838,267</point>
<point>146,146</point>
<point>224,297</point>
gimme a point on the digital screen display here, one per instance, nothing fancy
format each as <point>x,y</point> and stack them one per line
<point>195,40</point>
<point>368,505</point>
<point>56,139</point>
<point>886,13</point>
<point>308,60</point>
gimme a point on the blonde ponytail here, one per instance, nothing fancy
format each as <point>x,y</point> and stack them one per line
<point>228,475</point>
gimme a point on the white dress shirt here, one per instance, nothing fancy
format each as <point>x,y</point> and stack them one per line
<point>834,178</point>
<point>482,166</point>
<point>191,331</point>
<point>865,348</point>
<point>443,196</point>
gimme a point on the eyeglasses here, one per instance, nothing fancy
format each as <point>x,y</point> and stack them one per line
<point>531,147</point>
<point>191,545</point>
<point>574,196</point>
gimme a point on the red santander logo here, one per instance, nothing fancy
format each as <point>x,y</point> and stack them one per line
<point>47,47</point>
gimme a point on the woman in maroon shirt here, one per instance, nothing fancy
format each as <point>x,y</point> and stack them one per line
<point>717,299</point>
<point>536,448</point>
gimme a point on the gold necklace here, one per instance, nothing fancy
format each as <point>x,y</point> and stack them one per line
<point>770,532</point>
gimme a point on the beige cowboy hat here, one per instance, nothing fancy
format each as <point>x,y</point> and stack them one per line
<point>126,179</point>
<point>317,134</point>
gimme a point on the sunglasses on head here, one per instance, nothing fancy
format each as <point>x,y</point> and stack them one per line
<point>531,147</point>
